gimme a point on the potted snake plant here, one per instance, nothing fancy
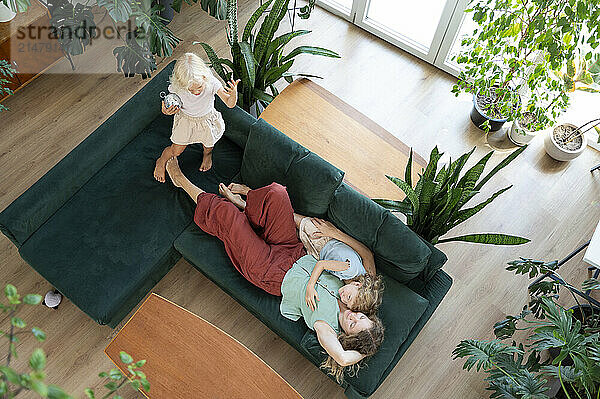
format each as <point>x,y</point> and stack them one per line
<point>257,58</point>
<point>437,202</point>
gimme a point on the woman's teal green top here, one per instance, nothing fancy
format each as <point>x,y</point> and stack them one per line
<point>293,288</point>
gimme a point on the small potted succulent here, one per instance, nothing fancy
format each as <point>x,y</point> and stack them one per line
<point>567,141</point>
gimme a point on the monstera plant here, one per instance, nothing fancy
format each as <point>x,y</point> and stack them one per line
<point>258,58</point>
<point>437,202</point>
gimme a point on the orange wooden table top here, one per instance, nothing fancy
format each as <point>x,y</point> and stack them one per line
<point>187,357</point>
<point>337,132</point>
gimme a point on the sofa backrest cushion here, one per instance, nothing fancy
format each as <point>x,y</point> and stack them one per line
<point>399,312</point>
<point>237,122</point>
<point>271,156</point>
<point>28,212</point>
<point>435,263</point>
<point>399,252</point>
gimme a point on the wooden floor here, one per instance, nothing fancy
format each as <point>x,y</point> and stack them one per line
<point>554,204</point>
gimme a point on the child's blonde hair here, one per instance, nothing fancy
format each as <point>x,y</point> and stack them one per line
<point>189,69</point>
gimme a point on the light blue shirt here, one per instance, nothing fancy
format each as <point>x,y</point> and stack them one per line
<point>337,250</point>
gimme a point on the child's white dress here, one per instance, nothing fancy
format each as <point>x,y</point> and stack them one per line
<point>198,121</point>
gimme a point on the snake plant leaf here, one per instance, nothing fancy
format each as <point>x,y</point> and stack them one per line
<point>310,50</point>
<point>232,22</point>
<point>17,6</point>
<point>408,170</point>
<point>456,167</point>
<point>254,19</point>
<point>465,214</point>
<point>395,206</point>
<point>591,284</point>
<point>161,40</point>
<point>268,28</point>
<point>425,197</point>
<point>304,75</point>
<point>274,74</point>
<point>262,96</point>
<point>215,61</point>
<point>431,168</point>
<point>66,19</point>
<point>489,238</point>
<point>408,190</point>
<point>281,41</point>
<point>248,62</point>
<point>119,10</point>
<point>498,167</point>
<point>469,179</point>
<point>134,59</point>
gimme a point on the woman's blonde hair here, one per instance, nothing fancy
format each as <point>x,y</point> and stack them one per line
<point>370,294</point>
<point>189,69</point>
<point>366,342</point>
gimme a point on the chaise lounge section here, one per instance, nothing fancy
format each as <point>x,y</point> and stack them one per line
<point>100,229</point>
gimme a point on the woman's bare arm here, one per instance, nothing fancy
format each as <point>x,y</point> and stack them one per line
<point>329,230</point>
<point>329,341</point>
<point>311,295</point>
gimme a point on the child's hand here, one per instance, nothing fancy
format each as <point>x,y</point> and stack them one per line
<point>311,295</point>
<point>171,110</point>
<point>326,229</point>
<point>231,88</point>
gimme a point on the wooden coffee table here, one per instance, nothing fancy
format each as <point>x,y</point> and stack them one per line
<point>187,357</point>
<point>339,133</point>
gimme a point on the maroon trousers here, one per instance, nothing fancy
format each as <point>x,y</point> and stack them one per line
<point>261,241</point>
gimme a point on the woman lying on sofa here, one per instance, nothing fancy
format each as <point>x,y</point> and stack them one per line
<point>260,239</point>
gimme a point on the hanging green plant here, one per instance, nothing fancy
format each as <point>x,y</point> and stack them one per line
<point>133,58</point>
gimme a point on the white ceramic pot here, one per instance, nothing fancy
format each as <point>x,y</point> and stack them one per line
<point>559,153</point>
<point>519,135</point>
<point>6,14</point>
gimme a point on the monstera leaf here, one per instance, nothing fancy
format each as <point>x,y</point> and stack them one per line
<point>119,10</point>
<point>216,8</point>
<point>133,58</point>
<point>160,38</point>
<point>73,25</point>
<point>16,5</point>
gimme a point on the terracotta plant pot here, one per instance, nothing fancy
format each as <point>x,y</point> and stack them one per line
<point>560,153</point>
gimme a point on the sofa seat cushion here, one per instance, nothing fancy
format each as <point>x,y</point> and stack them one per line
<point>207,254</point>
<point>271,156</point>
<point>399,312</point>
<point>110,243</point>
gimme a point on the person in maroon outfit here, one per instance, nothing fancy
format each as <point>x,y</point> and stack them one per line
<point>262,250</point>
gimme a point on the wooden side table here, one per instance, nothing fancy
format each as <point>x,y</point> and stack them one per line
<point>339,133</point>
<point>188,357</point>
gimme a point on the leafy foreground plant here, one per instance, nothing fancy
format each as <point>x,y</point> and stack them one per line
<point>435,204</point>
<point>6,73</point>
<point>14,382</point>
<point>257,59</point>
<point>517,50</point>
<point>516,371</point>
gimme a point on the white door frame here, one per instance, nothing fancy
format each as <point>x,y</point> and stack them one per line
<point>443,39</point>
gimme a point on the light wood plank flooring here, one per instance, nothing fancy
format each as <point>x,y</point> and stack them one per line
<point>556,205</point>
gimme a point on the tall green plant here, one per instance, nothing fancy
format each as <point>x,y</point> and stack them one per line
<point>257,58</point>
<point>436,203</point>
<point>14,382</point>
<point>518,48</point>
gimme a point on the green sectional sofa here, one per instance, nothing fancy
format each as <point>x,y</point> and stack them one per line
<point>100,229</point>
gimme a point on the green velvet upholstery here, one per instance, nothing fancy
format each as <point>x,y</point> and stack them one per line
<point>272,156</point>
<point>398,250</point>
<point>100,229</point>
<point>207,254</point>
<point>28,212</point>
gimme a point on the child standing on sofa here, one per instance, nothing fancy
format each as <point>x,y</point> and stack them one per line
<point>197,121</point>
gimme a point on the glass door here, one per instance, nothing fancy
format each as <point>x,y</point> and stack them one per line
<point>428,29</point>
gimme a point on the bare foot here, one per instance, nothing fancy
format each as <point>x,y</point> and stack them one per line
<point>237,188</point>
<point>159,170</point>
<point>175,172</point>
<point>235,199</point>
<point>206,163</point>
